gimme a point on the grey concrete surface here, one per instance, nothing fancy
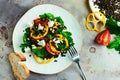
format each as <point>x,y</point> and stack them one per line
<point>103,64</point>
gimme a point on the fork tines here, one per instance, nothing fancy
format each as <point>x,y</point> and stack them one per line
<point>72,51</point>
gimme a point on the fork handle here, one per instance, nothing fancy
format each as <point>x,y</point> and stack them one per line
<point>81,72</point>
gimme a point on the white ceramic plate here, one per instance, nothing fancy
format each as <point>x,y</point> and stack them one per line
<point>73,26</point>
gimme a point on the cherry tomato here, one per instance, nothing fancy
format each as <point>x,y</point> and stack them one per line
<point>41,21</point>
<point>103,38</point>
<point>49,49</point>
<point>37,21</point>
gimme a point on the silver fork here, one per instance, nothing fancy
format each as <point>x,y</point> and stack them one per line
<point>76,58</point>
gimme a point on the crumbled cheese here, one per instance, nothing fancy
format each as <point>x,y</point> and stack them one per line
<point>56,40</point>
<point>34,47</point>
<point>41,43</point>
<point>40,27</point>
<point>27,49</point>
<point>50,23</point>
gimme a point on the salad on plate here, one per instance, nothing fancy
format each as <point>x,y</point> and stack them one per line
<point>47,38</point>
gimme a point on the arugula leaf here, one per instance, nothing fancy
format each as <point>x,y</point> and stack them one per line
<point>67,35</point>
<point>112,26</point>
<point>115,43</point>
<point>48,16</point>
<point>26,35</point>
<point>70,40</point>
<point>49,36</point>
<point>59,30</point>
<point>117,48</point>
<point>118,38</point>
<point>26,41</point>
<point>41,52</point>
<point>59,19</point>
<point>61,46</point>
<point>111,22</point>
<point>23,46</point>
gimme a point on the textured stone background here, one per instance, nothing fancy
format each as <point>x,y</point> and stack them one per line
<point>103,64</point>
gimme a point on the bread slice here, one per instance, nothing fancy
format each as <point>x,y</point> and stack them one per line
<point>20,70</point>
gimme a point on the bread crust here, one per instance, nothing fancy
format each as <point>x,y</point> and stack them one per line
<point>21,56</point>
<point>26,69</point>
<point>20,69</point>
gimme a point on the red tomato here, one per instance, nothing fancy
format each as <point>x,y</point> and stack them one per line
<point>103,38</point>
<point>41,21</point>
<point>49,49</point>
<point>37,21</point>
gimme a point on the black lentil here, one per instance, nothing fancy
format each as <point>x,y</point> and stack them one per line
<point>109,8</point>
<point>30,55</point>
<point>63,54</point>
<point>55,61</point>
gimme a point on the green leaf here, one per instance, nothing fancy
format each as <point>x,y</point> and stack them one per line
<point>66,34</point>
<point>114,30</point>
<point>58,31</point>
<point>49,36</point>
<point>113,44</point>
<point>70,40</point>
<point>26,42</point>
<point>117,48</point>
<point>118,38</point>
<point>61,46</point>
<point>41,52</point>
<point>23,46</point>
<point>59,19</point>
<point>112,26</point>
<point>111,22</point>
<point>48,16</point>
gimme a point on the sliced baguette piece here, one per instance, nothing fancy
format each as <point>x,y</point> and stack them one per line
<point>19,68</point>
